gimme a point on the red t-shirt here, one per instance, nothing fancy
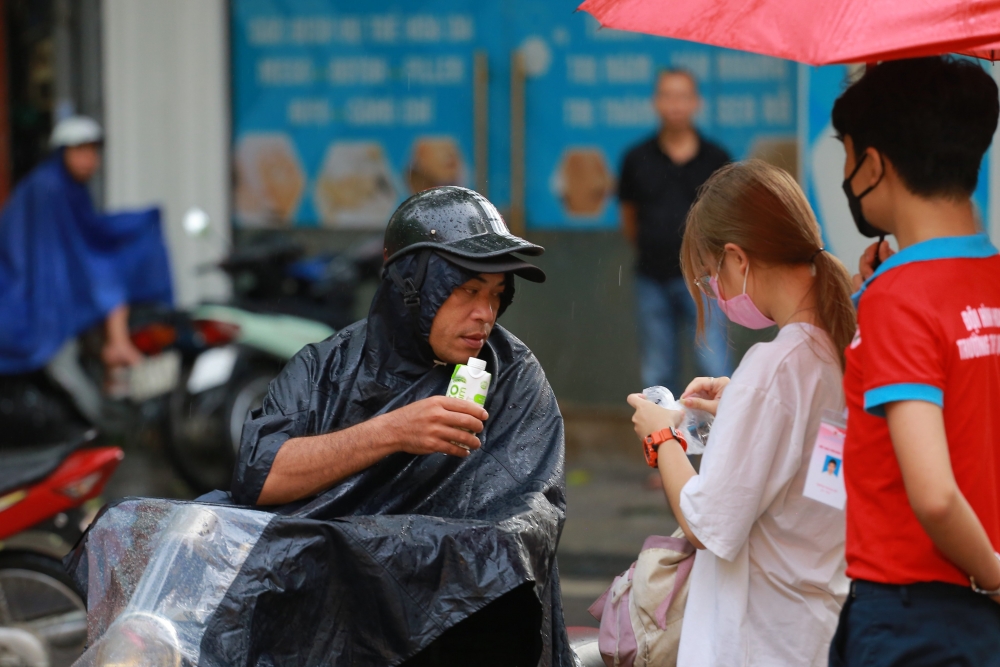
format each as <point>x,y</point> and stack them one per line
<point>928,330</point>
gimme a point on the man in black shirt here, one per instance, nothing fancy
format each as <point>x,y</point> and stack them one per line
<point>659,181</point>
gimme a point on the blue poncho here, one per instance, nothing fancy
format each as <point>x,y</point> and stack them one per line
<point>64,267</point>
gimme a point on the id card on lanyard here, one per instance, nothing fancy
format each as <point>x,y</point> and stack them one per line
<point>825,481</point>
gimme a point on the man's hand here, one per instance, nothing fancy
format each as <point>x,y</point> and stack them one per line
<point>650,417</point>
<point>865,269</point>
<point>436,425</point>
<point>704,394</point>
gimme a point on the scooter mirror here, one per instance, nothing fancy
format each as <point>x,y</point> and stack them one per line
<point>195,222</point>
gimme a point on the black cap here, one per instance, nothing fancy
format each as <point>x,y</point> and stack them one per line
<point>455,220</point>
<point>500,264</point>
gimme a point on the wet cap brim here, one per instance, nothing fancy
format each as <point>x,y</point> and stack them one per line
<point>501,264</point>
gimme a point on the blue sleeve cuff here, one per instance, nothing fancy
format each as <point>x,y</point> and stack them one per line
<point>875,399</point>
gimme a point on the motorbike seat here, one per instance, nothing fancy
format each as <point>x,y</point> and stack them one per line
<point>23,466</point>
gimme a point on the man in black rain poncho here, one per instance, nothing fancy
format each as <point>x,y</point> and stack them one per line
<point>384,543</point>
<point>388,544</point>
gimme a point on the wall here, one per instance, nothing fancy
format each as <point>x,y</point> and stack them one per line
<point>166,97</point>
<point>580,323</point>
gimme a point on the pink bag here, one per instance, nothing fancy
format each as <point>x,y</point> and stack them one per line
<point>641,613</point>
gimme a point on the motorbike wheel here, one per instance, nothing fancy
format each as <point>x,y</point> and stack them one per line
<point>38,597</point>
<point>205,428</point>
<point>247,396</point>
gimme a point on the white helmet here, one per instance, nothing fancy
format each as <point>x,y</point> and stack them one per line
<point>76,131</point>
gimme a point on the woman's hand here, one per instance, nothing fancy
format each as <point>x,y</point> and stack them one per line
<point>704,394</point>
<point>650,417</point>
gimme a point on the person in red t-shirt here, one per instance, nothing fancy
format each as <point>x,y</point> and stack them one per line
<point>922,380</point>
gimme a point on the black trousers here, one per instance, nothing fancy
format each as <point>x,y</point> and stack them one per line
<point>504,633</point>
<point>920,625</point>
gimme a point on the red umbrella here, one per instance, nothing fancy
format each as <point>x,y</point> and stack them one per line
<point>818,32</point>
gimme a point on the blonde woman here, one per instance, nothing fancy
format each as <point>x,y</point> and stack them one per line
<point>768,580</point>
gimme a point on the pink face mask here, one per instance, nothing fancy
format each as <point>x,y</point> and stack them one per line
<point>741,309</point>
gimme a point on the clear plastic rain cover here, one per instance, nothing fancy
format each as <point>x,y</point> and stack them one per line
<point>157,571</point>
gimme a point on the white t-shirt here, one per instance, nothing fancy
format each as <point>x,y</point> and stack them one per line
<point>768,588</point>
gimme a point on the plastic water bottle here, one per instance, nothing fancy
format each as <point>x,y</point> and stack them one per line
<point>662,397</point>
<point>696,424</point>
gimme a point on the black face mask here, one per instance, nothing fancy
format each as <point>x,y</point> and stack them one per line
<point>854,202</point>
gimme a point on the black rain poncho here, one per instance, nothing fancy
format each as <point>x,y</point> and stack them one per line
<point>375,569</point>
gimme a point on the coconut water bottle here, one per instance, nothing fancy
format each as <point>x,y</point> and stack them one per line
<point>470,382</point>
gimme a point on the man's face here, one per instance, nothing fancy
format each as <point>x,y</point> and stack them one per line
<point>82,162</point>
<point>465,319</point>
<point>676,101</point>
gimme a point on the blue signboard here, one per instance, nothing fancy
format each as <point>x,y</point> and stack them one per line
<point>342,109</point>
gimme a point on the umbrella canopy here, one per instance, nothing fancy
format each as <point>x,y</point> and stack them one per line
<point>817,33</point>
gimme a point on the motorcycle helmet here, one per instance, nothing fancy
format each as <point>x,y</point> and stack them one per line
<point>462,226</point>
<point>76,131</point>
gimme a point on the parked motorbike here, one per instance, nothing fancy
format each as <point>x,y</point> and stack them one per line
<point>131,402</point>
<point>44,493</point>
<point>275,276</point>
<point>218,391</point>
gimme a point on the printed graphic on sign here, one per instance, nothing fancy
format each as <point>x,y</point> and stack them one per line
<point>435,161</point>
<point>269,180</point>
<point>583,182</point>
<point>825,481</point>
<point>355,185</point>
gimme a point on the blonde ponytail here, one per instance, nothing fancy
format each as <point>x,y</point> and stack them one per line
<point>833,302</point>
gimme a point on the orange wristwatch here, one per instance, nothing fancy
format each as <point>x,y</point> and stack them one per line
<point>651,444</point>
